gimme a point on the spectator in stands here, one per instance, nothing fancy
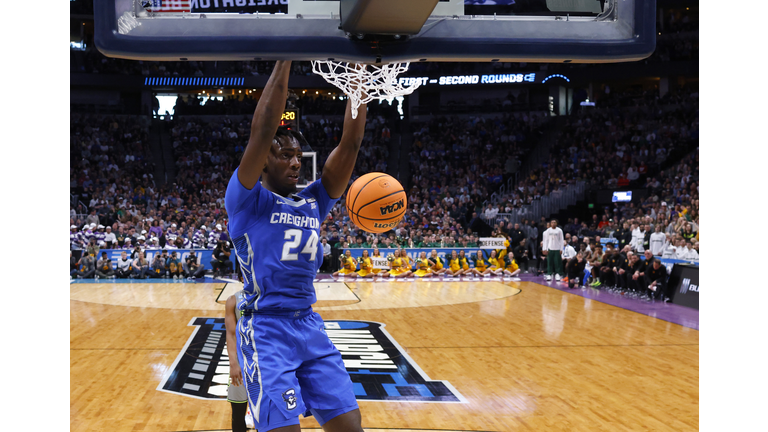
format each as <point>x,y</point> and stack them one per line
<point>92,219</point>
<point>638,235</point>
<point>221,262</point>
<point>109,236</point>
<point>158,265</point>
<point>622,267</point>
<point>623,235</point>
<point>86,267</point>
<point>124,268</point>
<point>594,261</point>
<point>200,238</point>
<point>327,254</point>
<point>520,252</point>
<point>656,281</point>
<point>214,237</point>
<point>569,252</point>
<point>657,241</point>
<point>72,264</point>
<point>93,248</point>
<point>104,267</point>
<point>140,266</point>
<point>192,268</point>
<point>574,270</point>
<point>603,273</point>
<point>173,265</point>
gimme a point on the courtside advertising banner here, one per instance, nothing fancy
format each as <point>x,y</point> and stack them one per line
<point>684,285</point>
<point>204,256</point>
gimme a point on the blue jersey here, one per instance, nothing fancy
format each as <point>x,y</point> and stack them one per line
<point>276,241</point>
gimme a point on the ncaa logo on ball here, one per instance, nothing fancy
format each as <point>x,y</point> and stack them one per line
<point>391,208</point>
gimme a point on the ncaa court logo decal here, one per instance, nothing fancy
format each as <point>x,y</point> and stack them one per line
<point>380,369</point>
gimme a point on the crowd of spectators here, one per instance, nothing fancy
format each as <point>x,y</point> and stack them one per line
<point>456,164</point>
<point>630,136</point>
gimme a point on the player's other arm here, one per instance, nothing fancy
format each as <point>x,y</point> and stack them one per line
<point>230,322</point>
<point>266,120</point>
<point>340,163</point>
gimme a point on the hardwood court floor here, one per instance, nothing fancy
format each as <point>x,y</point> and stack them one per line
<point>539,360</point>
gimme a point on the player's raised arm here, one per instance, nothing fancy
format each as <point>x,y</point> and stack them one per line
<point>230,322</point>
<point>266,120</point>
<point>340,163</point>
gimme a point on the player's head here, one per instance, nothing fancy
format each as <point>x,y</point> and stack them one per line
<point>281,171</point>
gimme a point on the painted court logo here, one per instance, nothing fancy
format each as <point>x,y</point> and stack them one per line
<point>379,368</point>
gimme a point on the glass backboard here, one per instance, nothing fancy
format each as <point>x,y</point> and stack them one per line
<point>586,31</point>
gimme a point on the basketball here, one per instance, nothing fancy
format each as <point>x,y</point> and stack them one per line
<point>376,202</point>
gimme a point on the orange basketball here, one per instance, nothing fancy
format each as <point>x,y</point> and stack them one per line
<point>376,202</point>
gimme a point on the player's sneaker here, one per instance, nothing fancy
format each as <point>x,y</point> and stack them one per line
<point>557,277</point>
<point>249,419</point>
<point>565,279</point>
<point>548,278</point>
<point>175,277</point>
<point>96,277</point>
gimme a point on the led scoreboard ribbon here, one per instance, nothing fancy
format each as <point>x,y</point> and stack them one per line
<point>511,78</point>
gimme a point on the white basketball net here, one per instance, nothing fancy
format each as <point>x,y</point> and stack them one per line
<point>364,83</point>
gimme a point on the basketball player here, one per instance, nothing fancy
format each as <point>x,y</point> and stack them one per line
<point>236,394</point>
<point>289,365</point>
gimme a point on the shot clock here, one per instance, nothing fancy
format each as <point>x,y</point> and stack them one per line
<point>290,119</point>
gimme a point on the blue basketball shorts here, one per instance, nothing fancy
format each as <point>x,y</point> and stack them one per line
<point>291,367</point>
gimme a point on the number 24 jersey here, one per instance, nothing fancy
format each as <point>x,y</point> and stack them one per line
<point>277,243</point>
